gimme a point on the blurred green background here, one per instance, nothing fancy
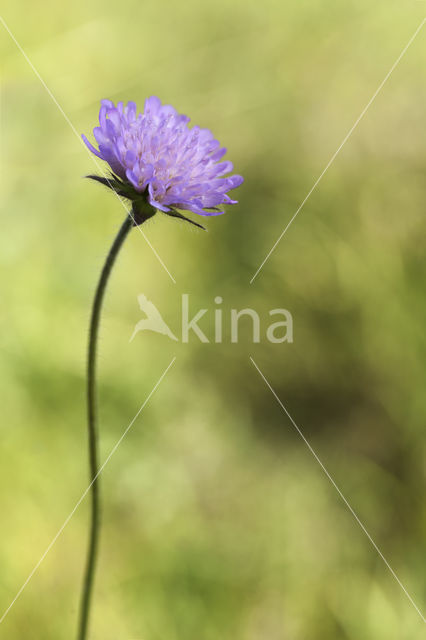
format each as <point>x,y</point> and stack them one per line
<point>217,520</point>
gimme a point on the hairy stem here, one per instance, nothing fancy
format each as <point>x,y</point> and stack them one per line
<point>92,427</point>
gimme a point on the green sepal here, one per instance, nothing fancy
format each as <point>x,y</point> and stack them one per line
<point>175,214</point>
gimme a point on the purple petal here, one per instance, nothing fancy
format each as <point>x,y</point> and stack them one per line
<point>133,179</point>
<point>90,146</point>
<point>152,105</point>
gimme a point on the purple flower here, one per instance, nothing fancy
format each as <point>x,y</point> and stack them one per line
<point>155,153</point>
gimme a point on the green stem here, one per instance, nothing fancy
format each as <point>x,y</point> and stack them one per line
<point>92,428</point>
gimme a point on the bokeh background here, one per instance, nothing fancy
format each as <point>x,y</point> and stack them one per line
<point>217,520</point>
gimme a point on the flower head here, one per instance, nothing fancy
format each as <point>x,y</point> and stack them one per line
<point>156,154</point>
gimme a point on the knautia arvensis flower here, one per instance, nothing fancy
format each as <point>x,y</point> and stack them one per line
<point>157,156</point>
<point>158,163</point>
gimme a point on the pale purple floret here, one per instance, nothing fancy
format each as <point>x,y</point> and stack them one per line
<point>157,151</point>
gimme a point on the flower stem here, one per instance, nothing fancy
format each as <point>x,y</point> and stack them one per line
<point>92,428</point>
